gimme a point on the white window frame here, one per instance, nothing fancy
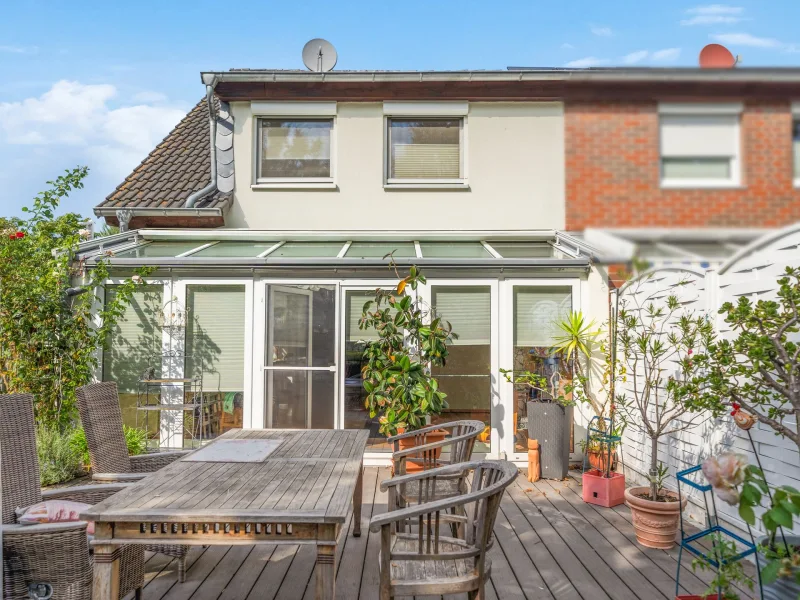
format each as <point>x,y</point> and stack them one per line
<point>699,110</point>
<point>795,119</point>
<point>506,343</point>
<point>292,111</point>
<point>423,111</point>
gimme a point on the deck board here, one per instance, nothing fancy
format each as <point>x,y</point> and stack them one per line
<point>549,545</point>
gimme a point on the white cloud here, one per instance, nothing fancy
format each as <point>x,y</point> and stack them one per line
<point>667,54</point>
<point>77,120</point>
<point>715,9</point>
<point>589,61</point>
<point>19,49</point>
<point>601,31</point>
<point>635,57</point>
<point>567,46</point>
<point>746,39</point>
<point>713,14</point>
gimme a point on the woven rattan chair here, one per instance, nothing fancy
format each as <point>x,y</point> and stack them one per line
<point>426,562</point>
<point>55,553</point>
<point>101,417</point>
<point>425,454</point>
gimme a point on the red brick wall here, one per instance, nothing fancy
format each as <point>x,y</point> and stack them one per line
<point>613,179</point>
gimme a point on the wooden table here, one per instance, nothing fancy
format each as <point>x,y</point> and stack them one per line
<point>299,494</point>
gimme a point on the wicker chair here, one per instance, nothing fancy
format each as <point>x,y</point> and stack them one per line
<point>426,562</point>
<point>101,416</point>
<point>53,553</point>
<point>460,441</point>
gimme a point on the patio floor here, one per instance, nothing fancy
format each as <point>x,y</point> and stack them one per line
<point>548,544</point>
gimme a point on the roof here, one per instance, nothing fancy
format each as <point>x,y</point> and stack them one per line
<point>179,166</point>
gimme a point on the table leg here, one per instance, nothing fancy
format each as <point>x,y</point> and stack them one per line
<point>105,585</point>
<point>357,494</point>
<point>326,569</point>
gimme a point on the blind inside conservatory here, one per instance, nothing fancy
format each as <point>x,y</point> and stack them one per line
<point>135,343</point>
<point>215,336</point>
<point>469,311</point>
<point>537,310</point>
<point>355,305</point>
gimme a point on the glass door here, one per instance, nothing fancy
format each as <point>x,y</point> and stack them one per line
<point>300,366</point>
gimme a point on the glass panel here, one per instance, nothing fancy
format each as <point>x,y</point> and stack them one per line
<point>134,346</point>
<point>796,148</point>
<point>293,148</point>
<point>454,250</point>
<point>381,249</point>
<point>234,249</point>
<point>301,333</point>
<point>523,249</point>
<point>467,376</point>
<point>215,350</point>
<point>696,168</point>
<point>424,148</point>
<point>308,250</point>
<point>356,416</point>
<point>160,249</point>
<point>537,310</point>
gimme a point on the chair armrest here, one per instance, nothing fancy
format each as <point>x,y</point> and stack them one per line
<point>44,528</point>
<point>118,477</point>
<point>147,463</point>
<point>421,449</point>
<point>411,512</point>
<point>439,472</point>
<point>89,494</point>
<point>409,434</point>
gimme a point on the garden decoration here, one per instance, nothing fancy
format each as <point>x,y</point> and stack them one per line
<point>724,557</point>
<point>656,342</point>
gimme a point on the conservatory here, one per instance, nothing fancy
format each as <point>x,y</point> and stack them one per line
<point>264,326</point>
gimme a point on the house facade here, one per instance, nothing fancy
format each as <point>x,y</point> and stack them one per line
<point>268,212</point>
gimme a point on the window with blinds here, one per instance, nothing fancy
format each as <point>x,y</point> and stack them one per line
<point>537,312</point>
<point>469,311</point>
<point>699,147</point>
<point>295,149</point>
<point>796,148</point>
<point>425,149</point>
<point>215,336</point>
<point>134,345</point>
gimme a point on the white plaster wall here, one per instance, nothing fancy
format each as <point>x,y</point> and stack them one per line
<point>514,164</point>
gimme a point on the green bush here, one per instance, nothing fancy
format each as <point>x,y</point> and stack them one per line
<point>135,439</point>
<point>59,460</point>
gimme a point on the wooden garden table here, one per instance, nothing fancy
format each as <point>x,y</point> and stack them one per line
<point>228,492</point>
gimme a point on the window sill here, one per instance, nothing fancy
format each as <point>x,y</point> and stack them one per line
<point>296,185</point>
<point>701,184</point>
<point>426,186</point>
<point>797,183</point>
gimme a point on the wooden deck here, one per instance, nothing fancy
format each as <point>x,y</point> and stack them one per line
<point>548,544</point>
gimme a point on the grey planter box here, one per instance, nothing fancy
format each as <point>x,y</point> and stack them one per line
<point>550,424</point>
<point>783,589</point>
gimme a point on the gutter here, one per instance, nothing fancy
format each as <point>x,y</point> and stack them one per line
<point>212,128</point>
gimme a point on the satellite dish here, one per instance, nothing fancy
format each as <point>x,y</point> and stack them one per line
<point>319,55</point>
<point>715,56</point>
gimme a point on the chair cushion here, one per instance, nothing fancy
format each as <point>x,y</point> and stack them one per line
<point>53,511</point>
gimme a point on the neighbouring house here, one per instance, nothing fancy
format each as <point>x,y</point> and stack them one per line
<point>269,209</point>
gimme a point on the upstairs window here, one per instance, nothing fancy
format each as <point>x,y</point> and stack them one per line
<point>700,148</point>
<point>294,149</point>
<point>796,149</point>
<point>425,150</point>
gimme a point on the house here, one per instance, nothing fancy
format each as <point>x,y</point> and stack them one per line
<point>269,209</point>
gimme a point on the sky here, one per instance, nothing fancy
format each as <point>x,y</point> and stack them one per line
<point>100,83</point>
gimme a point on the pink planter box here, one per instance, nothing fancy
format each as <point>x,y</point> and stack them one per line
<point>603,491</point>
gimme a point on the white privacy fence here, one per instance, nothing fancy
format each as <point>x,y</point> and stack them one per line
<point>753,272</point>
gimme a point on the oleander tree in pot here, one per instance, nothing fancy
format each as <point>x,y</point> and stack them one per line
<point>397,370</point>
<point>656,342</point>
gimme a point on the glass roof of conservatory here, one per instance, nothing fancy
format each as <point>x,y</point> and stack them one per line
<point>241,247</point>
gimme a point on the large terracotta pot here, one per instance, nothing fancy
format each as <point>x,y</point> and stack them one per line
<point>413,466</point>
<point>655,523</point>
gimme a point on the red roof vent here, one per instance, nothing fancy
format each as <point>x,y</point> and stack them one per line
<point>716,56</point>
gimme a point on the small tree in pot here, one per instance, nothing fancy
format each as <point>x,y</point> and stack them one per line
<point>656,341</point>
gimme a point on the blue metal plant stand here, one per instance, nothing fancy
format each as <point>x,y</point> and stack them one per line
<point>690,543</point>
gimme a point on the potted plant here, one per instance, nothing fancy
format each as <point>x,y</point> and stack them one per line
<point>728,571</point>
<point>396,373</point>
<point>656,340</point>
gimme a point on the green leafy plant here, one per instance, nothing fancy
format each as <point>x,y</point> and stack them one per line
<point>59,460</point>
<point>757,371</point>
<point>135,439</point>
<point>656,343</point>
<point>728,573</point>
<point>411,338</point>
<point>658,477</point>
<point>48,336</point>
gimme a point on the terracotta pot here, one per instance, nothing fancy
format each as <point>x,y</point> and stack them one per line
<point>598,460</point>
<point>413,466</point>
<point>655,523</point>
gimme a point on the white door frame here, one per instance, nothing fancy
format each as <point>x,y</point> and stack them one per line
<point>507,347</point>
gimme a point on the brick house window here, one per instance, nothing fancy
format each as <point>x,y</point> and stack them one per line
<point>796,149</point>
<point>699,145</point>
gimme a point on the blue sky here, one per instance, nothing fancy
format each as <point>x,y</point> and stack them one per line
<point>100,83</point>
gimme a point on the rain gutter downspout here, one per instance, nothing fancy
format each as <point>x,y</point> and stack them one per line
<point>212,127</point>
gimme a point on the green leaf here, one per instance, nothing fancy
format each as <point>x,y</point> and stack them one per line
<point>781,516</point>
<point>747,514</point>
<point>769,574</point>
